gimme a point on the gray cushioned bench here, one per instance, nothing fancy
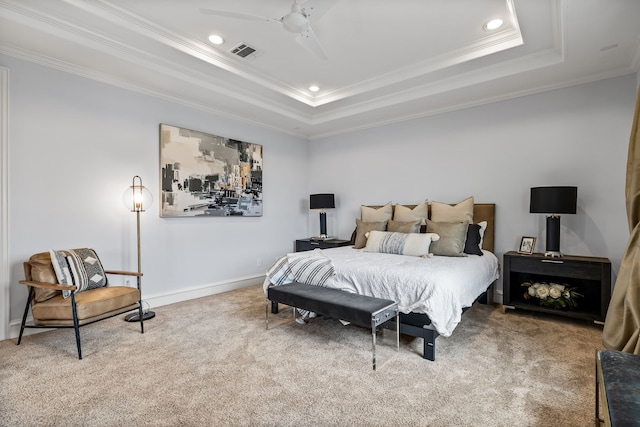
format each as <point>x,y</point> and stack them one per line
<point>618,384</point>
<point>360,310</point>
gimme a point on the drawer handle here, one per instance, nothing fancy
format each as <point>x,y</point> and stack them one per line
<point>315,243</point>
<point>552,261</point>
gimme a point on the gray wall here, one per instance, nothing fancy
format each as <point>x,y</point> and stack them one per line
<point>574,136</point>
<point>75,145</point>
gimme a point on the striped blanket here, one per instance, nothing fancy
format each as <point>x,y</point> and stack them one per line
<point>314,269</point>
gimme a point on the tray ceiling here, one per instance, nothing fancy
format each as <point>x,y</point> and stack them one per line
<point>386,61</point>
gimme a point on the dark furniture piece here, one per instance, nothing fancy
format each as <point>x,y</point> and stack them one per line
<point>590,275</point>
<point>360,310</point>
<point>618,385</point>
<point>309,244</point>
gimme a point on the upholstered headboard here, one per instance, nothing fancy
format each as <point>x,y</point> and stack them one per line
<point>481,212</point>
<point>486,212</point>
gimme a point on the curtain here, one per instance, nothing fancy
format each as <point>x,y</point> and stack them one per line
<point>622,324</point>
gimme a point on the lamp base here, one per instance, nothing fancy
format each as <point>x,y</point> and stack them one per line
<point>135,317</point>
<point>322,237</point>
<point>553,237</point>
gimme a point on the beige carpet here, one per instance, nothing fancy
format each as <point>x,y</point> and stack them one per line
<point>210,362</point>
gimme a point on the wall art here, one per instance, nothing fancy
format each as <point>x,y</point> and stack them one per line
<point>208,175</point>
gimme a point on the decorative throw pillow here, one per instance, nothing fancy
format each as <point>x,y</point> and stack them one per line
<point>406,214</point>
<point>404,227</point>
<point>442,212</point>
<point>383,213</point>
<point>362,228</point>
<point>452,237</point>
<point>413,244</point>
<point>79,267</point>
<point>472,244</point>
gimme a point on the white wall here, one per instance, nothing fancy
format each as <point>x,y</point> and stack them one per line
<point>575,136</point>
<point>74,146</point>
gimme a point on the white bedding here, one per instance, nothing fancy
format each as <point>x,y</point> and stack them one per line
<point>438,286</point>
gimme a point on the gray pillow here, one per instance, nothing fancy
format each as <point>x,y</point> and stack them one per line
<point>452,237</point>
<point>404,227</point>
<point>363,228</point>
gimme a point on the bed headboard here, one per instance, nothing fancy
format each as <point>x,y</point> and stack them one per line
<point>486,212</point>
<point>481,212</point>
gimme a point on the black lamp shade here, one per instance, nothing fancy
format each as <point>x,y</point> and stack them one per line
<point>322,201</point>
<point>554,200</point>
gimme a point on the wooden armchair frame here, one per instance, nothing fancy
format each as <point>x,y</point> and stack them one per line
<point>75,323</point>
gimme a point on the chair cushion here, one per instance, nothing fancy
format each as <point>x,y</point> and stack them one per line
<point>42,271</point>
<point>91,303</point>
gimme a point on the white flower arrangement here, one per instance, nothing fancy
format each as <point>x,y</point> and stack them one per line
<point>552,295</point>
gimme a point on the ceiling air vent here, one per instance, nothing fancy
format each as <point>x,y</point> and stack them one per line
<point>243,50</point>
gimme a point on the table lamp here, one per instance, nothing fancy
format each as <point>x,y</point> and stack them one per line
<point>553,201</point>
<point>322,202</point>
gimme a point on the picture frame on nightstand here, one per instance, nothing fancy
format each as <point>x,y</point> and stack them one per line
<point>527,244</point>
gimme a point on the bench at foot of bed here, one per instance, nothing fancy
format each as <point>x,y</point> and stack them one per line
<point>413,324</point>
<point>360,310</point>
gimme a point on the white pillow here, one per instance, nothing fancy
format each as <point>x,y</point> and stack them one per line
<point>405,214</point>
<point>384,213</point>
<point>413,244</point>
<point>483,227</point>
<point>463,211</point>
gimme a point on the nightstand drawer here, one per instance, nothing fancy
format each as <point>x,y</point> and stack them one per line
<point>557,267</point>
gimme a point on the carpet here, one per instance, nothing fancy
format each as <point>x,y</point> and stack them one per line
<point>210,362</point>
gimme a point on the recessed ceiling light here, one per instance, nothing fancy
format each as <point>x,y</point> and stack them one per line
<point>216,39</point>
<point>314,88</point>
<point>494,24</point>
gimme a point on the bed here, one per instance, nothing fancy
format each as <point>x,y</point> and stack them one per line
<point>432,292</point>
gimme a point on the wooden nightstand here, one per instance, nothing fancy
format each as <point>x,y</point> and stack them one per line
<point>590,276</point>
<point>309,245</point>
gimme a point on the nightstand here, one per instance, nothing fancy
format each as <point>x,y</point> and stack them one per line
<point>309,245</point>
<point>591,276</point>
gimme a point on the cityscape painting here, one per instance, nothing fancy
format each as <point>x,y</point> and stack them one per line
<point>208,175</point>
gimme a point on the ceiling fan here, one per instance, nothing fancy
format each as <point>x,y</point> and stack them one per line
<point>296,21</point>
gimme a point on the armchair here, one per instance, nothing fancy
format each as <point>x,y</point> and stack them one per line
<point>51,309</point>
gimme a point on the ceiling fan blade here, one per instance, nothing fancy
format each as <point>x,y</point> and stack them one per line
<point>237,15</point>
<point>309,41</point>
<point>317,8</point>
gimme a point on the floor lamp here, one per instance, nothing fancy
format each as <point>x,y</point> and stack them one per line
<point>138,198</point>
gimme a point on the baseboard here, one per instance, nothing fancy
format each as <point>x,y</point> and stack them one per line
<point>186,294</point>
<point>167,298</point>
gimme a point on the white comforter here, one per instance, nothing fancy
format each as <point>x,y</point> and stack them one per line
<point>438,286</point>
